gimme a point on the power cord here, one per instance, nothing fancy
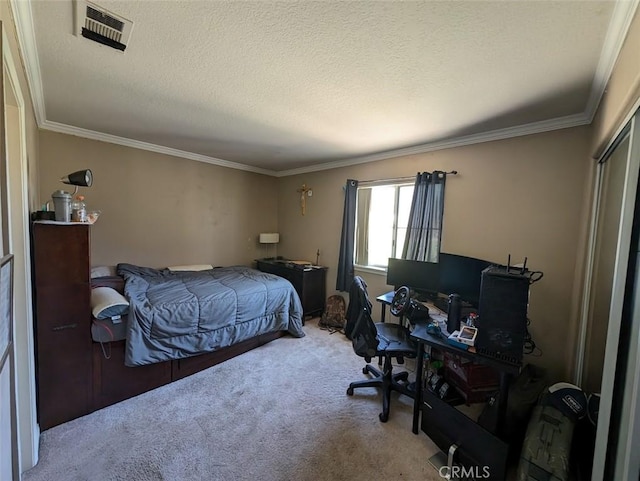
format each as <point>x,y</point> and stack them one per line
<point>535,276</point>
<point>529,346</point>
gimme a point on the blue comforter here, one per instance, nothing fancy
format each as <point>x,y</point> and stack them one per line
<point>173,315</point>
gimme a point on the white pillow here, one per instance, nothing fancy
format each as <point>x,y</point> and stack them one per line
<point>107,303</point>
<point>103,271</point>
<point>193,267</point>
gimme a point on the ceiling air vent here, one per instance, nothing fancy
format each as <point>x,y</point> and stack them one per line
<point>100,25</point>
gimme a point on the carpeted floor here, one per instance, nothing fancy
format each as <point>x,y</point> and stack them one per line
<point>279,412</point>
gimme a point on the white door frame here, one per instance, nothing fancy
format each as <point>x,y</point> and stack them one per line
<point>28,429</point>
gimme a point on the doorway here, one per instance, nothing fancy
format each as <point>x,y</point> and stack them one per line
<point>15,240</point>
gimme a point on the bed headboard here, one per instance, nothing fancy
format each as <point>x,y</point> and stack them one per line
<point>114,282</point>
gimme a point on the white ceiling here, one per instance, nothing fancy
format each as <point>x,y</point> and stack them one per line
<point>285,87</point>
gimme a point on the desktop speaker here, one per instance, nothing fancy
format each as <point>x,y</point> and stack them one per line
<point>502,325</point>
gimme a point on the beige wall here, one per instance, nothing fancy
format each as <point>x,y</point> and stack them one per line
<point>522,196</point>
<point>159,210</point>
<point>622,92</point>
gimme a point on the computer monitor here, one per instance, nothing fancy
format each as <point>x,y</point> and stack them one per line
<point>420,276</point>
<point>461,275</point>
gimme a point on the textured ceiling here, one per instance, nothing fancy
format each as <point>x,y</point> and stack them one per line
<point>284,85</point>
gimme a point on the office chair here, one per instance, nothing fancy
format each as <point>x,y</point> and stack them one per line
<point>370,339</point>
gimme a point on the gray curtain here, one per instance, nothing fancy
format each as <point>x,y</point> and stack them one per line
<point>347,239</point>
<point>424,231</point>
<point>362,226</point>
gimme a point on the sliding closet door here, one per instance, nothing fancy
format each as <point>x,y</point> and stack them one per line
<point>612,172</point>
<point>624,432</point>
<point>615,281</point>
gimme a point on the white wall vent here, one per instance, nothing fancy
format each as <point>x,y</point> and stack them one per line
<point>98,24</point>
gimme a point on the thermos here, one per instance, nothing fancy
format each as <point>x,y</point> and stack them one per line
<point>454,312</point>
<point>62,205</point>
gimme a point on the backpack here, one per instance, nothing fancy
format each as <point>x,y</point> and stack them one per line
<point>333,317</point>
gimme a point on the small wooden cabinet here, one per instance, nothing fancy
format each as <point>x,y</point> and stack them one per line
<point>309,283</point>
<point>62,321</point>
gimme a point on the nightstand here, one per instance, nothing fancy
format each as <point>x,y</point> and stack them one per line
<point>309,282</point>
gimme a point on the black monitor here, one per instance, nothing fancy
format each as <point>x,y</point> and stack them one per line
<point>461,275</point>
<point>420,276</point>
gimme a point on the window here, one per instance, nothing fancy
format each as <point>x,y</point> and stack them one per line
<point>382,214</point>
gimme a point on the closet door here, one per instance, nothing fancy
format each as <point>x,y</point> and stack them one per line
<point>614,309</point>
<point>611,176</point>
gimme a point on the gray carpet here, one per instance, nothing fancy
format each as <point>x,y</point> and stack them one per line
<point>279,412</point>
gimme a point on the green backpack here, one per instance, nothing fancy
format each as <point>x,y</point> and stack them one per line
<point>333,318</point>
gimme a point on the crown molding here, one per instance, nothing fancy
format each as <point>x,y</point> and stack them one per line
<point>27,42</point>
<point>137,144</point>
<point>500,134</point>
<point>619,24</point>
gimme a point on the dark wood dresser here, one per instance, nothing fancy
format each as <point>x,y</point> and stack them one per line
<point>61,280</point>
<point>309,283</point>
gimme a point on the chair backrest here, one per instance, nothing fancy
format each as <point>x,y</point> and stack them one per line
<point>364,336</point>
<point>358,300</point>
<point>360,327</point>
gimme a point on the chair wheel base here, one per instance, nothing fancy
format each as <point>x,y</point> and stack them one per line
<point>349,391</point>
<point>383,417</point>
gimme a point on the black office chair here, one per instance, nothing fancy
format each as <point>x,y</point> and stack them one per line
<point>370,339</point>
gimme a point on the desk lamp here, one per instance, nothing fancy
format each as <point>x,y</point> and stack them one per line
<point>80,178</point>
<point>269,238</point>
<point>62,199</point>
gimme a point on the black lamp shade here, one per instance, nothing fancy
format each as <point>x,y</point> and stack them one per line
<point>83,178</point>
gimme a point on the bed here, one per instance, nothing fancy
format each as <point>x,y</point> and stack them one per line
<point>178,314</point>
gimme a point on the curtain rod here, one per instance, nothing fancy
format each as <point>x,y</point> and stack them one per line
<point>398,179</point>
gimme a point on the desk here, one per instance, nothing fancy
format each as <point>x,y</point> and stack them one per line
<point>422,337</point>
<point>442,421</point>
<point>451,430</point>
<point>385,299</point>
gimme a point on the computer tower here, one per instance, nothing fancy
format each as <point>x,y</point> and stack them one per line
<point>502,323</point>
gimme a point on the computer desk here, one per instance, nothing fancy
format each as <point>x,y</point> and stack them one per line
<point>385,299</point>
<point>423,338</point>
<point>506,370</point>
